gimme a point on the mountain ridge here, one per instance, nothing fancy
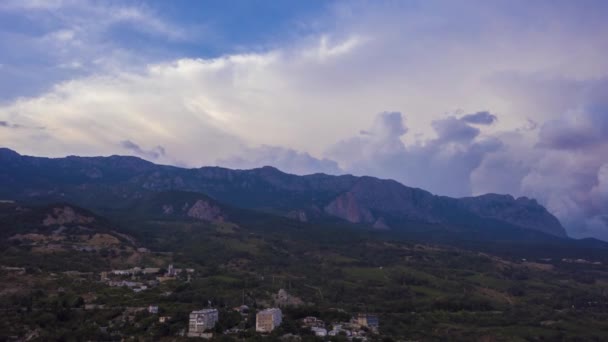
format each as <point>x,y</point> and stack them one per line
<point>380,203</point>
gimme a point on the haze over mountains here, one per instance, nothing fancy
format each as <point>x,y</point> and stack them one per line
<point>106,183</point>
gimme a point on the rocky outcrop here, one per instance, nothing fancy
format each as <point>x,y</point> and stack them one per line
<point>65,215</point>
<point>203,210</point>
<point>283,298</point>
<point>380,224</point>
<point>61,228</point>
<point>347,207</point>
<point>370,200</point>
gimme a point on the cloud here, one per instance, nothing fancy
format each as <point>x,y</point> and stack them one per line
<point>578,128</point>
<point>480,118</point>
<point>567,175</point>
<point>153,153</point>
<point>453,129</point>
<point>33,4</point>
<point>85,16</point>
<point>6,124</point>
<point>387,124</point>
<point>67,39</point>
<point>286,159</point>
<point>442,165</point>
<point>226,102</point>
<point>562,164</point>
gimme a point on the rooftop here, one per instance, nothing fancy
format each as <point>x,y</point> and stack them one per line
<point>271,310</point>
<point>204,311</point>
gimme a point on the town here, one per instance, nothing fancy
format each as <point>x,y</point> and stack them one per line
<point>203,322</point>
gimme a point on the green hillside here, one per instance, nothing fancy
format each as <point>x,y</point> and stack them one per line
<point>419,290</point>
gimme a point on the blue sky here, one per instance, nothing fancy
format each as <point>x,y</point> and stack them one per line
<point>156,31</point>
<point>457,97</point>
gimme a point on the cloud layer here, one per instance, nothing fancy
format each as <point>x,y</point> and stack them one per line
<point>441,165</point>
<point>286,159</point>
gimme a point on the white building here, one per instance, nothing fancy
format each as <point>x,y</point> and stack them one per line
<point>171,271</point>
<point>267,320</point>
<point>202,320</point>
<point>319,331</point>
<point>368,320</point>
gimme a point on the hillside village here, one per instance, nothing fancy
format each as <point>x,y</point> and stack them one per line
<point>202,323</point>
<point>207,322</point>
<point>69,273</point>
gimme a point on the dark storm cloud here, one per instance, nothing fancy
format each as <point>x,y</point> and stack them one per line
<point>480,118</point>
<point>453,129</point>
<point>7,124</point>
<point>578,129</point>
<point>154,153</point>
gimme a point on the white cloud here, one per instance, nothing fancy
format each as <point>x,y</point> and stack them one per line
<point>93,17</point>
<point>64,35</point>
<point>32,4</point>
<point>441,165</point>
<point>55,41</point>
<point>287,160</point>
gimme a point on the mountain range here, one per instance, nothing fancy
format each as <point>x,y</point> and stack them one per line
<point>106,183</point>
<point>431,267</point>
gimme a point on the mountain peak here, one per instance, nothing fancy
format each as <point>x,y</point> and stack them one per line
<point>6,153</point>
<point>523,212</point>
<point>269,169</point>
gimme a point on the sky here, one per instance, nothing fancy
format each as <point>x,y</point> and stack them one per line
<point>457,97</point>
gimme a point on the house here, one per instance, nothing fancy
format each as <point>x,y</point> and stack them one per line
<point>368,320</point>
<point>139,289</point>
<point>267,320</point>
<point>163,319</point>
<point>337,330</point>
<point>121,272</point>
<point>153,309</point>
<point>135,286</point>
<point>170,271</point>
<point>202,320</point>
<point>312,322</point>
<point>319,331</point>
<point>151,270</point>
